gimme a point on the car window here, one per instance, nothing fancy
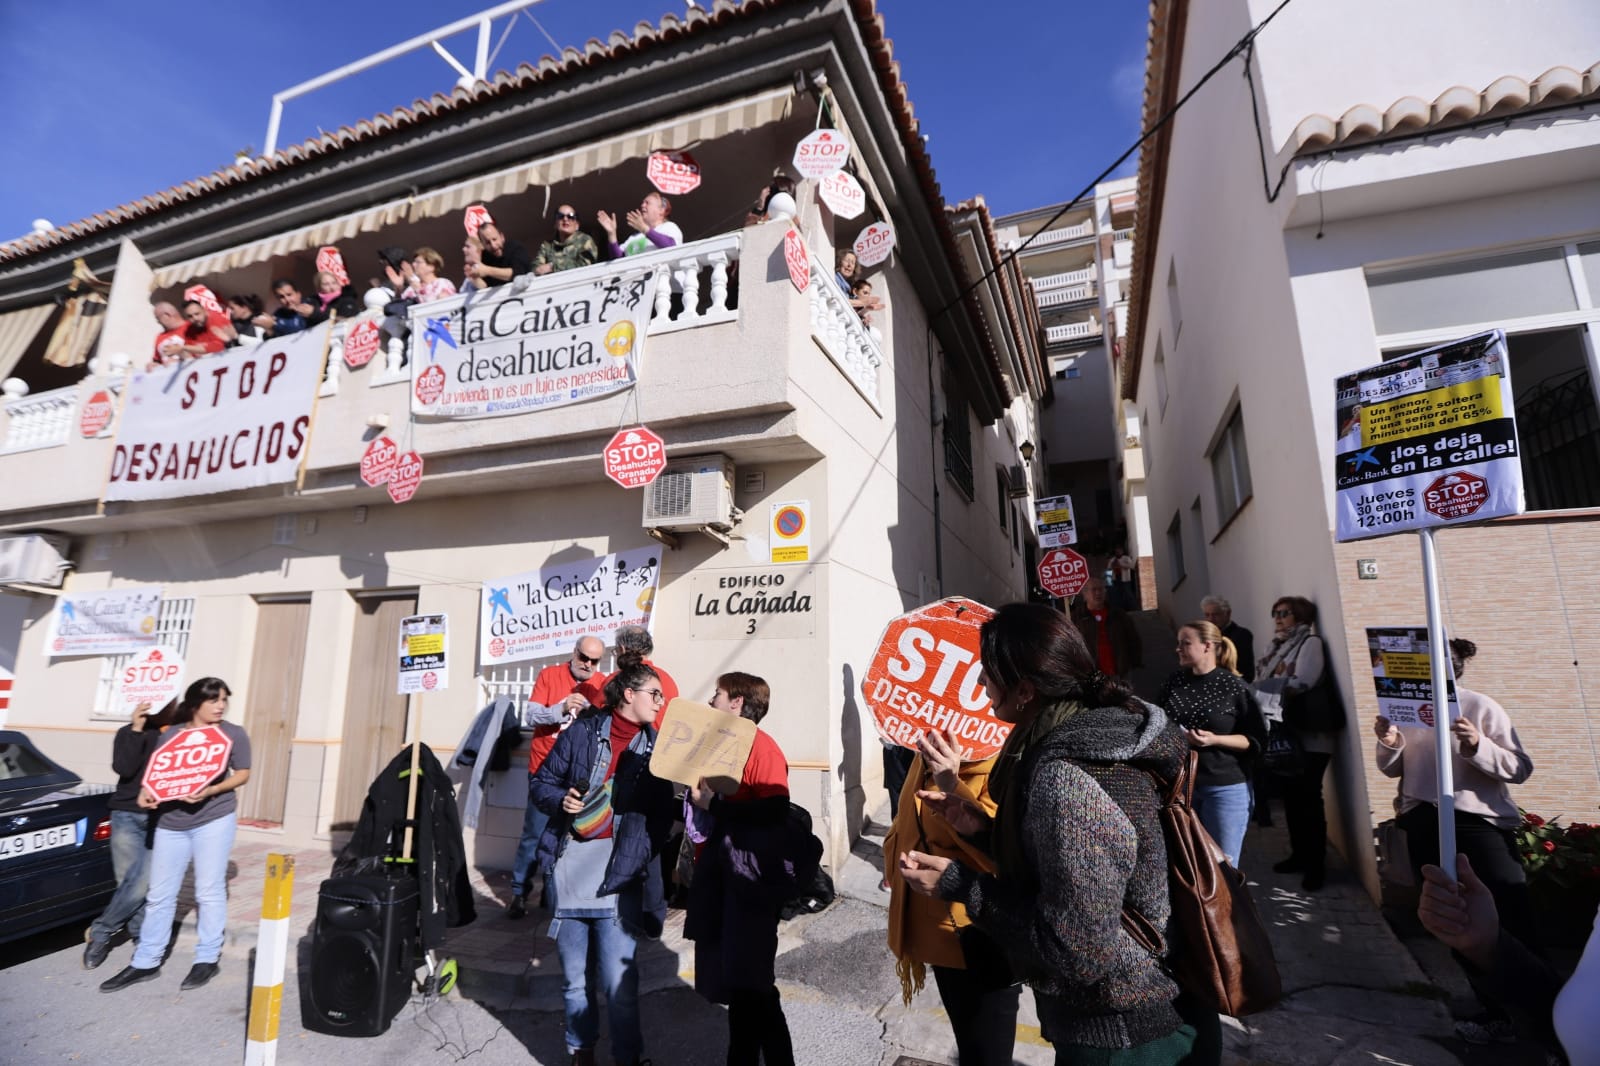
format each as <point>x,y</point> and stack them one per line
<point>17,762</point>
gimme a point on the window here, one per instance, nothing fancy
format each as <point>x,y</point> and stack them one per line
<point>1016,532</point>
<point>1558,426</point>
<point>1230,468</point>
<point>1174,308</point>
<point>1002,494</point>
<point>1161,376</point>
<point>1144,440</point>
<point>1518,285</point>
<point>1071,372</point>
<point>1175,549</point>
<point>172,631</point>
<point>957,442</point>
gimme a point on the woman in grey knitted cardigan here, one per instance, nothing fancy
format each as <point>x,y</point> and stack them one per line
<point>1075,838</point>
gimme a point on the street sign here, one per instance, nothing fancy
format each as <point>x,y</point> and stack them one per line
<point>96,414</point>
<point>674,173</point>
<point>798,260</point>
<point>1054,523</point>
<point>1063,572</point>
<point>377,462</point>
<point>424,647</point>
<point>153,676</point>
<point>405,477</point>
<point>843,194</point>
<point>926,675</point>
<point>635,457</point>
<point>361,344</point>
<point>820,153</point>
<point>187,761</point>
<point>874,244</point>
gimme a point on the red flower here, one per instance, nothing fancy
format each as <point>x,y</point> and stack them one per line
<point>1549,845</point>
<point>1532,819</point>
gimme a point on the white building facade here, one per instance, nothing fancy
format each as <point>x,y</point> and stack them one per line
<point>1376,197</point>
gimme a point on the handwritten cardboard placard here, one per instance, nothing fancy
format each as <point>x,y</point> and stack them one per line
<point>698,742</point>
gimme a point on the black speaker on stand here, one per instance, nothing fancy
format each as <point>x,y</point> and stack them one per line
<point>363,955</point>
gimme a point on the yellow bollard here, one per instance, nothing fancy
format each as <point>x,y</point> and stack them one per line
<point>272,949</point>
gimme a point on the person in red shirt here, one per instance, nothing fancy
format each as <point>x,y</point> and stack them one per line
<point>634,645</point>
<point>201,336</point>
<point>560,692</point>
<point>1107,632</point>
<point>170,339</point>
<point>739,884</point>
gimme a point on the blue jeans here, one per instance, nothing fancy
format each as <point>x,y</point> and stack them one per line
<point>130,861</point>
<point>576,939</point>
<point>1225,812</point>
<point>533,822</point>
<point>208,845</point>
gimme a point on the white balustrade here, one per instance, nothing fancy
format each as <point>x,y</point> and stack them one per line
<point>1061,297</point>
<point>1125,234</point>
<point>42,421</point>
<point>683,300</point>
<point>1063,279</point>
<point>1071,331</point>
<point>840,333</point>
<point>1064,234</point>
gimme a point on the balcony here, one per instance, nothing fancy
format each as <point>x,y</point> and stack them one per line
<point>1065,297</point>
<point>1065,279</point>
<point>1124,234</point>
<point>720,370</point>
<point>1064,235</point>
<point>1072,331</point>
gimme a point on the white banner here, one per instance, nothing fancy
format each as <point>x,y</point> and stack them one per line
<point>235,420</point>
<point>113,622</point>
<point>543,612</point>
<point>1429,439</point>
<point>502,351</point>
<point>1402,671</point>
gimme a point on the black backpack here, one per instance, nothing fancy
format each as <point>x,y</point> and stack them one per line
<point>813,888</point>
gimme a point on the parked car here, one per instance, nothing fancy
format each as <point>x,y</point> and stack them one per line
<point>55,850</point>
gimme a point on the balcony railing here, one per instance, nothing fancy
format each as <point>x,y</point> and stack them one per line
<point>1062,297</point>
<point>839,332</point>
<point>1063,279</point>
<point>1064,234</point>
<point>42,421</point>
<point>1071,331</point>
<point>1122,234</point>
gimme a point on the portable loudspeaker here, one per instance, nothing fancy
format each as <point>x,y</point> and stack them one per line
<point>363,955</point>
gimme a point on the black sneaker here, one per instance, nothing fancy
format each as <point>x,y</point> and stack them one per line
<point>199,974</point>
<point>129,975</point>
<point>95,953</point>
<point>516,908</point>
<point>1291,865</point>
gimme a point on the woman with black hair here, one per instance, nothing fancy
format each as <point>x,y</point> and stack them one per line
<point>1076,839</point>
<point>198,827</point>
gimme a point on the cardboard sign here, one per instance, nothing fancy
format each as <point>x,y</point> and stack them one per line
<point>96,414</point>
<point>790,532</point>
<point>331,260</point>
<point>405,477</point>
<point>1427,440</point>
<point>361,343</point>
<point>843,194</point>
<point>187,761</point>
<point>925,675</point>
<point>1054,523</point>
<point>820,153</point>
<point>424,641</point>
<point>874,244</point>
<point>543,612</point>
<point>1402,672</point>
<point>114,622</point>
<point>1063,572</point>
<point>635,457</point>
<point>698,743</point>
<point>476,217</point>
<point>378,461</point>
<point>154,676</point>
<point>798,260</point>
<point>674,173</point>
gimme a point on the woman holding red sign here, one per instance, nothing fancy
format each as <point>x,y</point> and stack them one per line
<point>200,826</point>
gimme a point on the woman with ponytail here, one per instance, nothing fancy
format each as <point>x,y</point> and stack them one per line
<point>1207,697</point>
<point>1075,838</point>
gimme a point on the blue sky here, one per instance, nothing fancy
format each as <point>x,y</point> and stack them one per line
<point>1024,100</point>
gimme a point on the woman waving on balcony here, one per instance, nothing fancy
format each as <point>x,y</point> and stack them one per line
<point>420,277</point>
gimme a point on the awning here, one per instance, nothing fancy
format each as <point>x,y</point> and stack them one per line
<point>17,331</point>
<point>679,132</point>
<point>1124,203</point>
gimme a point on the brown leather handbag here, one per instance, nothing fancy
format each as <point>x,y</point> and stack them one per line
<point>1216,946</point>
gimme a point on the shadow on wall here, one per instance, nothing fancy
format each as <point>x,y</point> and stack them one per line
<point>855,795</point>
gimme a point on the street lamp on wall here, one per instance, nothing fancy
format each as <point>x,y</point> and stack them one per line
<point>1026,451</point>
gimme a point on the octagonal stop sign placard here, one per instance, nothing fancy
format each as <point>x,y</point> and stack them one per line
<point>405,477</point>
<point>926,675</point>
<point>187,761</point>
<point>1063,572</point>
<point>377,462</point>
<point>674,173</point>
<point>635,457</point>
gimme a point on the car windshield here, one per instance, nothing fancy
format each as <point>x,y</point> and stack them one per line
<point>18,761</point>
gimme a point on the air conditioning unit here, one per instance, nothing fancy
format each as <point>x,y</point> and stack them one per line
<point>1019,482</point>
<point>34,559</point>
<point>692,494</point>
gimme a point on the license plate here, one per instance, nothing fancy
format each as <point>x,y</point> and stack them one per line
<point>57,836</point>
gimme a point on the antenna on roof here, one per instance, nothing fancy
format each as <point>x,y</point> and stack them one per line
<point>432,39</point>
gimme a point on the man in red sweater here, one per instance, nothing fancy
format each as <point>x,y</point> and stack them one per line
<point>560,693</point>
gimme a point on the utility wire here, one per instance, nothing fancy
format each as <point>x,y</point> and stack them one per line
<point>1243,44</point>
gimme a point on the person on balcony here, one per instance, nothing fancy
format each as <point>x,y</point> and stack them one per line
<point>502,259</point>
<point>294,312</point>
<point>246,313</point>
<point>334,297</point>
<point>200,335</point>
<point>471,259</point>
<point>572,247</point>
<point>170,339</point>
<point>651,227</point>
<point>848,273</point>
<point>419,279</point>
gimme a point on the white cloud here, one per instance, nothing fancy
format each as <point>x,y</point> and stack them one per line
<point>1127,83</point>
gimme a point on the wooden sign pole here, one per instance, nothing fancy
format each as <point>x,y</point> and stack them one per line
<point>416,759</point>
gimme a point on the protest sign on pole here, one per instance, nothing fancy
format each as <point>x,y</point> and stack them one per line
<point>424,650</point>
<point>154,676</point>
<point>542,612</point>
<point>489,353</point>
<point>1425,441</point>
<point>925,675</point>
<point>1402,672</point>
<point>225,422</point>
<point>698,742</point>
<point>1063,572</point>
<point>110,622</point>
<point>674,173</point>
<point>1054,523</point>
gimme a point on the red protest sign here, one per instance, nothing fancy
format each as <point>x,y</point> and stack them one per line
<point>153,676</point>
<point>405,477</point>
<point>430,385</point>
<point>798,259</point>
<point>1456,495</point>
<point>476,216</point>
<point>96,414</point>
<point>377,462</point>
<point>361,344</point>
<point>635,457</point>
<point>820,153</point>
<point>925,675</point>
<point>215,315</point>
<point>843,194</point>
<point>1063,572</point>
<point>330,260</point>
<point>874,244</point>
<point>186,762</point>
<point>674,173</point>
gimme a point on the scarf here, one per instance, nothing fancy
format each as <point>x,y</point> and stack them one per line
<point>1284,649</point>
<point>1009,786</point>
